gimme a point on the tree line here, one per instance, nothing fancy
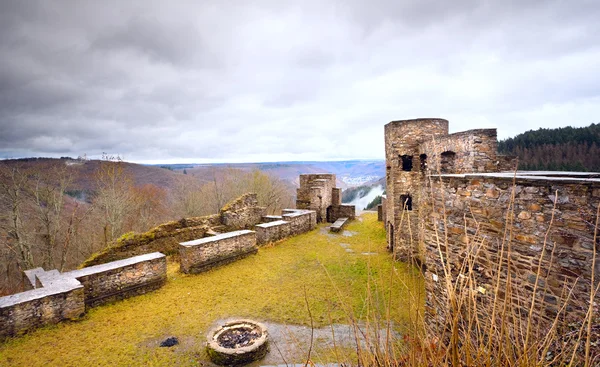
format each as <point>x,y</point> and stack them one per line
<point>560,149</point>
<point>47,220</point>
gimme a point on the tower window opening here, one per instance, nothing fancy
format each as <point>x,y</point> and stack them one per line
<point>406,201</point>
<point>447,162</point>
<point>406,162</point>
<point>423,161</point>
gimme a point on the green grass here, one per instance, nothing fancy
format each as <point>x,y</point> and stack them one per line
<point>269,286</point>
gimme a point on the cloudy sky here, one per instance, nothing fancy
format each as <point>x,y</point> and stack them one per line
<point>231,81</point>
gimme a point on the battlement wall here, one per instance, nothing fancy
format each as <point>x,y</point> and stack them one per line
<point>462,152</point>
<point>539,224</point>
<point>448,204</point>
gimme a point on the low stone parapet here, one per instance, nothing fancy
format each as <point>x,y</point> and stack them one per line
<point>272,231</point>
<point>53,296</point>
<point>206,253</point>
<point>271,218</point>
<point>63,299</point>
<point>121,279</point>
<point>301,221</point>
<point>341,211</point>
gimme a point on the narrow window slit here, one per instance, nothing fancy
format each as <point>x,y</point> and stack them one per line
<point>447,162</point>
<point>406,201</point>
<point>423,161</point>
<point>406,162</point>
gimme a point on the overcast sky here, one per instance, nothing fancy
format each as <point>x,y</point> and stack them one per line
<point>231,81</point>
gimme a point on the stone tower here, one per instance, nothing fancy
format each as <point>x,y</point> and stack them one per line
<point>318,192</point>
<point>405,174</point>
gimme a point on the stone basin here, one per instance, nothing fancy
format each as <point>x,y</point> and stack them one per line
<point>237,342</point>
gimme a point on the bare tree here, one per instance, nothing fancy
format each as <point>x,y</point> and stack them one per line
<point>114,196</point>
<point>48,191</point>
<point>13,193</point>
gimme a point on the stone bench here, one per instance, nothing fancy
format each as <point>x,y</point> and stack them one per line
<point>206,253</point>
<point>338,225</point>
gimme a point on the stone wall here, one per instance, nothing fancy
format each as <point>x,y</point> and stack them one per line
<point>341,211</point>
<point>336,196</point>
<point>272,231</point>
<point>206,253</point>
<point>467,215</point>
<point>121,279</point>
<point>242,213</point>
<point>54,296</point>
<point>25,311</point>
<point>164,238</point>
<point>318,192</point>
<point>271,218</point>
<point>315,193</point>
<point>466,151</point>
<point>484,216</point>
<point>301,221</point>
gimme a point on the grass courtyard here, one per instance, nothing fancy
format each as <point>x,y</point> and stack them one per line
<point>341,279</point>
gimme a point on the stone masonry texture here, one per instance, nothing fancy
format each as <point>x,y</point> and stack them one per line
<point>446,195</point>
<point>241,213</point>
<point>206,253</point>
<point>122,279</point>
<point>56,297</point>
<point>121,271</point>
<point>318,192</point>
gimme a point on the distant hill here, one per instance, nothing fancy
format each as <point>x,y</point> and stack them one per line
<point>83,171</point>
<point>349,173</point>
<point>561,149</point>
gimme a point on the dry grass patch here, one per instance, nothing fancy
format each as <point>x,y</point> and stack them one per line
<point>273,286</point>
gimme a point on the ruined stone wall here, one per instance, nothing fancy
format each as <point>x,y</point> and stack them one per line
<point>164,238</point>
<point>341,211</point>
<point>271,218</point>
<point>336,196</point>
<point>443,222</point>
<point>55,296</point>
<point>272,231</point>
<point>25,311</point>
<point>121,279</point>
<point>206,253</point>
<point>463,152</point>
<point>301,221</point>
<point>242,213</point>
<point>315,193</point>
<point>475,217</point>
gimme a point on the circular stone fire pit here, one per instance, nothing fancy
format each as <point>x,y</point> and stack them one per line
<point>237,342</point>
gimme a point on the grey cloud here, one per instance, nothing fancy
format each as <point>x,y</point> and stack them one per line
<point>176,43</point>
<point>232,81</point>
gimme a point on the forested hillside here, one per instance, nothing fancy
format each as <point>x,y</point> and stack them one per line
<point>55,213</point>
<point>561,149</point>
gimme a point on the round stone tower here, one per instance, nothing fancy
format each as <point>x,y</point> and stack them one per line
<point>406,167</point>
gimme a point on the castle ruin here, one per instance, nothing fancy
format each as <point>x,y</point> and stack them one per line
<point>452,200</point>
<point>318,192</point>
